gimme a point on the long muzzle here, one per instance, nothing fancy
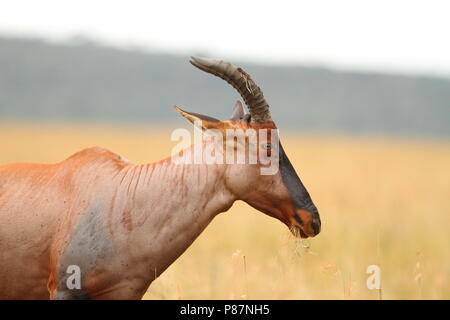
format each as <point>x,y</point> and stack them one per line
<point>307,222</point>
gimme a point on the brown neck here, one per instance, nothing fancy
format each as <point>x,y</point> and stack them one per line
<point>168,206</point>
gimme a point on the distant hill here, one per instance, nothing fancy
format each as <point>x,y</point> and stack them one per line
<point>88,81</point>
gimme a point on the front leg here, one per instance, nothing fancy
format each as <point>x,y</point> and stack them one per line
<point>100,283</point>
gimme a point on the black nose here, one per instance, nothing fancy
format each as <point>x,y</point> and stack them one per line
<point>316,225</point>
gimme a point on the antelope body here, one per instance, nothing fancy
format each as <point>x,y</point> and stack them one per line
<point>123,224</point>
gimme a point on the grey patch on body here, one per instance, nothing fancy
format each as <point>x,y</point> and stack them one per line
<point>90,245</point>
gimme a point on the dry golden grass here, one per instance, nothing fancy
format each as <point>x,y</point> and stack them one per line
<point>384,202</point>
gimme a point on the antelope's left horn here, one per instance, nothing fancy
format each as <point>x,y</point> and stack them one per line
<point>242,82</point>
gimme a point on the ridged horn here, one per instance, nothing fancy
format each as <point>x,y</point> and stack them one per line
<point>242,82</point>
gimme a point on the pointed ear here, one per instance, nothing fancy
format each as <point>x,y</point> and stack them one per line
<point>197,119</point>
<point>238,111</point>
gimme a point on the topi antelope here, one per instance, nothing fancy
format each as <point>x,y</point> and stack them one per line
<point>118,225</point>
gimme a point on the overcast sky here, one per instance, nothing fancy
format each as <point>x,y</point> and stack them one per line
<point>385,35</point>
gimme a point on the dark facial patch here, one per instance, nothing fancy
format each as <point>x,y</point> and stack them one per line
<point>298,219</point>
<point>298,193</point>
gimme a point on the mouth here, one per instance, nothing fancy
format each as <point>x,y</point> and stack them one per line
<point>304,224</point>
<point>298,232</point>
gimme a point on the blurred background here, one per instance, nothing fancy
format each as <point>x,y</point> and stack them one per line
<point>359,89</point>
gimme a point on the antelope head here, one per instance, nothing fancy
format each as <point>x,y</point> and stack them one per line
<point>279,193</point>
